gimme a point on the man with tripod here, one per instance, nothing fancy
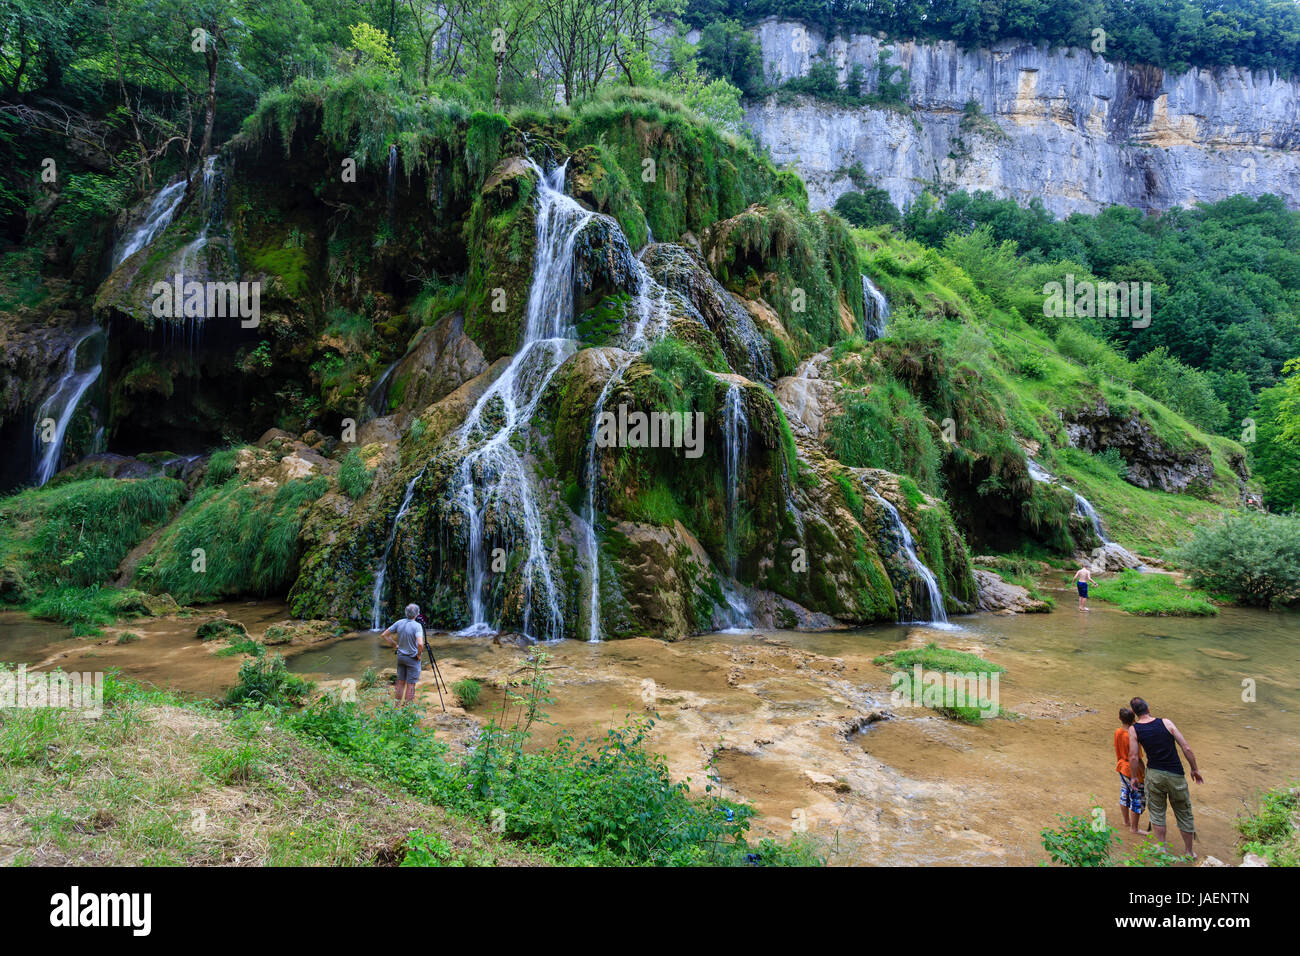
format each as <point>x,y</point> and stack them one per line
<point>409,644</point>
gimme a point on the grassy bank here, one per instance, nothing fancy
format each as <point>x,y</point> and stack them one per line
<point>1153,595</point>
<point>159,780</point>
<point>162,781</point>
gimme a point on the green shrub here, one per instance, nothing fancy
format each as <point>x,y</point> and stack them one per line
<point>467,691</point>
<point>85,610</point>
<point>1253,559</point>
<point>266,682</point>
<point>354,476</point>
<point>1080,842</point>
<point>248,536</point>
<point>1271,831</point>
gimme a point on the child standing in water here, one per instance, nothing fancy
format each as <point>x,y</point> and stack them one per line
<point>1081,579</point>
<point>1131,793</point>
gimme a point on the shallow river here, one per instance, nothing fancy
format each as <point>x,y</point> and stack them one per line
<point>773,716</point>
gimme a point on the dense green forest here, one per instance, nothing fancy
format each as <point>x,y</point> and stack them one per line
<point>1175,34</point>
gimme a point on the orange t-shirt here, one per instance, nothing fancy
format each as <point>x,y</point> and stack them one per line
<point>1121,751</point>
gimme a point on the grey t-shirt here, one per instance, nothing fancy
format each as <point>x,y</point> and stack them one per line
<point>408,633</point>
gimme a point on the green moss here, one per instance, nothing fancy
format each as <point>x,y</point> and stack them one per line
<point>1153,595</point>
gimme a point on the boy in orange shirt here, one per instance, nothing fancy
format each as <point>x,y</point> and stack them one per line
<point>1132,797</point>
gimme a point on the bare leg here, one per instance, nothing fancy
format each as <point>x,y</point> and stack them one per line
<point>399,691</point>
<point>1124,810</point>
<point>1187,842</point>
<point>1134,827</point>
<point>1159,832</point>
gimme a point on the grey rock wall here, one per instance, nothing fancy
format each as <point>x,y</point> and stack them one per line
<point>1062,124</point>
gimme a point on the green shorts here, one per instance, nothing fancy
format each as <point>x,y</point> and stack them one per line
<point>1163,786</point>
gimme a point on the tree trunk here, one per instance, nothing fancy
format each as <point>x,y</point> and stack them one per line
<point>210,114</point>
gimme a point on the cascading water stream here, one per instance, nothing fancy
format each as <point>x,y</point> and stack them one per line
<point>875,310</point>
<point>59,407</point>
<point>492,473</point>
<point>735,435</point>
<point>651,311</point>
<point>938,615</point>
<point>156,218</point>
<point>1083,507</point>
<point>381,572</point>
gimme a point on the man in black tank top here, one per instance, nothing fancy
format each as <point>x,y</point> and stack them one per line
<point>1165,782</point>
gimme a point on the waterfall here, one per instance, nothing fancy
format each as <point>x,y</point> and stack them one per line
<point>377,602</point>
<point>652,315</point>
<point>938,616</point>
<point>211,210</point>
<point>875,309</point>
<point>593,479</point>
<point>376,405</point>
<point>159,214</point>
<point>60,406</point>
<point>735,436</point>
<point>1084,508</point>
<point>493,474</point>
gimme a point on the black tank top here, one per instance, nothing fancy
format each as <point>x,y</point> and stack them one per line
<point>1160,746</point>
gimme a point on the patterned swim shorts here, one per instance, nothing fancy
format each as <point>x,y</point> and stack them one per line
<point>1131,795</point>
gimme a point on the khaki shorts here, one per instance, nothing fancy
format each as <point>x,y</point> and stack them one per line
<point>1163,786</point>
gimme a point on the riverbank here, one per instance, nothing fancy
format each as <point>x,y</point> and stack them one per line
<point>802,725</point>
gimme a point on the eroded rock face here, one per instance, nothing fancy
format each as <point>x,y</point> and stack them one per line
<point>684,271</point>
<point>441,359</point>
<point>1062,125</point>
<point>1151,464</point>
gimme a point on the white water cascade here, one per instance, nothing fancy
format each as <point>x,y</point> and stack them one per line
<point>381,572</point>
<point>938,615</point>
<point>735,435</point>
<point>493,474</point>
<point>59,407</point>
<point>156,218</point>
<point>875,308</point>
<point>1082,506</point>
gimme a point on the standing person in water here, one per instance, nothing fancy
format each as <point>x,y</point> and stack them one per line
<point>1165,782</point>
<point>409,644</point>
<point>1082,577</point>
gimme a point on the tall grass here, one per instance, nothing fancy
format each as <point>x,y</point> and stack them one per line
<point>76,534</point>
<point>233,540</point>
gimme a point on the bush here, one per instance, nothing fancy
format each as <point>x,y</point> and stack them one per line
<point>354,476</point>
<point>870,207</point>
<point>467,691</point>
<point>1080,842</point>
<point>249,539</point>
<point>1253,559</point>
<point>1271,832</point>
<point>267,682</point>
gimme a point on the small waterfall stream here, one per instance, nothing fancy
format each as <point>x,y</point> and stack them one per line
<point>159,214</point>
<point>898,530</point>
<point>381,572</point>
<point>60,406</point>
<point>875,310</point>
<point>1083,507</point>
<point>735,436</point>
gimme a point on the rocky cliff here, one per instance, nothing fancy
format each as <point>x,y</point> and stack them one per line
<point>1063,125</point>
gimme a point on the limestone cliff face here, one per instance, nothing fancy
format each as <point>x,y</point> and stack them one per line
<point>1063,125</point>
